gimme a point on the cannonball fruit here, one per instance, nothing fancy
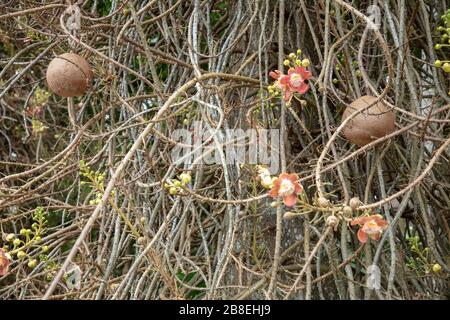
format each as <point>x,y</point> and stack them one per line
<point>370,124</point>
<point>69,75</point>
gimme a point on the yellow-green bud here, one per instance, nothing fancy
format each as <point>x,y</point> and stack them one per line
<point>44,248</point>
<point>20,254</point>
<point>38,239</point>
<point>177,183</point>
<point>23,232</point>
<point>438,63</point>
<point>306,63</point>
<point>298,62</point>
<point>437,268</point>
<point>10,237</point>
<point>299,52</point>
<point>287,63</point>
<point>173,190</point>
<point>185,178</point>
<point>446,67</point>
<point>438,46</point>
<point>186,122</point>
<point>32,263</point>
<point>292,55</point>
<point>16,242</point>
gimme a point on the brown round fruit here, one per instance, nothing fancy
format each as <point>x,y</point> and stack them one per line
<point>69,75</point>
<point>370,124</point>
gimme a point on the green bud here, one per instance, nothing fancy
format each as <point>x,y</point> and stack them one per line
<point>32,263</point>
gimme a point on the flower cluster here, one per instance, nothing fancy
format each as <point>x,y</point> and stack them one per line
<point>294,80</point>
<point>96,180</point>
<point>174,186</point>
<point>444,32</point>
<point>371,227</point>
<point>420,261</point>
<point>286,186</point>
<point>27,240</point>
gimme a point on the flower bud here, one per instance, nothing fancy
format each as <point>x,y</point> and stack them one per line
<point>173,190</point>
<point>323,202</point>
<point>20,254</point>
<point>446,67</point>
<point>306,63</point>
<point>347,211</point>
<point>10,237</point>
<point>332,221</point>
<point>354,203</point>
<point>32,263</point>
<point>16,242</point>
<point>185,178</point>
<point>437,268</point>
<point>177,183</point>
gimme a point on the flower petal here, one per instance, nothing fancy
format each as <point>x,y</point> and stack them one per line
<point>375,236</point>
<point>290,200</point>
<point>275,188</point>
<point>362,236</point>
<point>382,223</point>
<point>303,72</point>
<point>360,221</point>
<point>287,94</point>
<point>298,188</point>
<point>302,88</point>
<point>284,79</point>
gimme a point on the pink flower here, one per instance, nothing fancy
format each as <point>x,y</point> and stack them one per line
<point>294,81</point>
<point>4,262</point>
<point>287,187</point>
<point>372,227</point>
